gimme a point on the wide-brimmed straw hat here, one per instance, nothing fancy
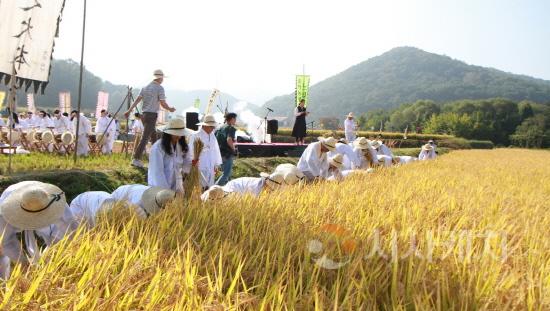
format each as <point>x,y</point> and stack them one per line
<point>213,194</point>
<point>375,144</point>
<point>292,175</point>
<point>176,127</point>
<point>329,143</point>
<point>273,181</point>
<point>34,206</point>
<point>208,120</point>
<point>67,138</point>
<point>361,143</point>
<point>155,199</point>
<point>336,161</point>
<point>157,74</point>
<point>350,115</point>
<point>427,147</point>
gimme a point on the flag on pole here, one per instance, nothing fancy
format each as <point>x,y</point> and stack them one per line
<point>27,38</point>
<point>102,103</point>
<point>2,97</point>
<point>215,93</point>
<point>65,102</point>
<point>30,103</point>
<point>406,132</point>
<point>197,103</point>
<point>302,89</point>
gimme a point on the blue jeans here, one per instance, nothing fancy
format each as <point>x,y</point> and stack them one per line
<point>227,169</point>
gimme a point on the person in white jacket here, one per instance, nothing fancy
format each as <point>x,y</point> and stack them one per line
<point>62,123</point>
<point>336,164</point>
<point>381,157</point>
<point>106,125</point>
<point>210,158</point>
<point>85,128</point>
<point>255,185</point>
<point>366,155</point>
<point>292,175</point>
<point>170,158</point>
<point>427,153</point>
<point>350,127</point>
<point>145,200</point>
<point>314,161</point>
<point>85,206</point>
<point>350,157</point>
<point>31,211</point>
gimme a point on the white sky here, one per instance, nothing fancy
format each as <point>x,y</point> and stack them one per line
<point>253,49</point>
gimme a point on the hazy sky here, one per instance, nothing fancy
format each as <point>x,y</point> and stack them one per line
<point>253,49</point>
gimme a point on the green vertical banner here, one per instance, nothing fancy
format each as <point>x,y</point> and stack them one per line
<point>197,103</point>
<point>302,89</point>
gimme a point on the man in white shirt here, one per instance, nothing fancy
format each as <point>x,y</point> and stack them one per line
<point>385,159</point>
<point>350,127</point>
<point>86,206</point>
<point>85,128</point>
<point>210,158</point>
<point>350,158</point>
<point>427,153</point>
<point>366,155</point>
<point>62,123</point>
<point>255,185</point>
<point>314,162</point>
<point>149,200</point>
<point>106,125</point>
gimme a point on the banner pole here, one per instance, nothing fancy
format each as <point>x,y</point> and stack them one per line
<point>80,83</point>
<point>11,104</point>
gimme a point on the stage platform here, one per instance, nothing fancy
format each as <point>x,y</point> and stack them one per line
<point>270,150</point>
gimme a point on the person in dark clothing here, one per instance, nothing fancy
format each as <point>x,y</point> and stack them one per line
<point>226,137</point>
<point>299,129</point>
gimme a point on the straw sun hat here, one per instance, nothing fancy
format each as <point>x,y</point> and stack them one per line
<point>292,175</point>
<point>337,161</point>
<point>427,147</point>
<point>157,74</point>
<point>329,143</point>
<point>213,194</point>
<point>273,181</point>
<point>34,206</point>
<point>176,127</point>
<point>361,143</point>
<point>208,120</point>
<point>155,199</point>
<point>375,144</point>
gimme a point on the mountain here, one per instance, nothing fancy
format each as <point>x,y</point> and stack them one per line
<point>406,74</point>
<point>65,75</point>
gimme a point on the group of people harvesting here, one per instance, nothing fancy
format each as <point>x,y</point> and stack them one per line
<point>35,215</point>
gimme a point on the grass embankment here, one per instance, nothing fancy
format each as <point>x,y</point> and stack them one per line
<point>466,231</point>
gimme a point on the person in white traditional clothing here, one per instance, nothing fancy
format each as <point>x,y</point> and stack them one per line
<point>292,174</point>
<point>34,120</point>
<point>383,149</point>
<point>170,158</point>
<point>106,125</point>
<point>314,161</point>
<point>365,154</point>
<point>137,125</point>
<point>43,122</point>
<point>71,128</point>
<point>31,212</point>
<point>427,153</point>
<point>62,123</point>
<point>85,128</point>
<point>23,122</point>
<point>350,158</point>
<point>214,193</point>
<point>384,159</point>
<point>85,206</point>
<point>255,185</point>
<point>150,200</point>
<point>210,158</point>
<point>350,127</point>
<point>397,160</point>
<point>334,172</point>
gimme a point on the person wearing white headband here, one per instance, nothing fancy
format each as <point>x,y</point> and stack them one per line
<point>150,200</point>
<point>31,212</point>
<point>210,159</point>
<point>170,157</point>
<point>255,185</point>
<point>314,160</point>
<point>427,153</point>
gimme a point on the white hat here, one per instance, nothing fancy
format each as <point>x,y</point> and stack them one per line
<point>34,206</point>
<point>361,143</point>
<point>157,74</point>
<point>375,144</point>
<point>292,175</point>
<point>273,181</point>
<point>67,138</point>
<point>208,120</point>
<point>427,147</point>
<point>329,143</point>
<point>154,199</point>
<point>215,193</point>
<point>47,137</point>
<point>337,161</point>
<point>176,127</point>
<point>350,115</point>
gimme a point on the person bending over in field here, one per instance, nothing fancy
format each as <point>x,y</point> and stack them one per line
<point>255,185</point>
<point>398,160</point>
<point>86,206</point>
<point>314,160</point>
<point>365,154</point>
<point>336,163</point>
<point>427,153</point>
<point>383,158</point>
<point>292,175</point>
<point>33,215</point>
<point>170,158</point>
<point>149,200</point>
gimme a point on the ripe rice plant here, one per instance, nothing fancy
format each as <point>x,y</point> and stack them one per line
<point>466,231</point>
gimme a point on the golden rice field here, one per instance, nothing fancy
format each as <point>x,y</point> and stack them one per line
<point>468,231</point>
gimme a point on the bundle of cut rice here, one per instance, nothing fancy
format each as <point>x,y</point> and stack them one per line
<point>192,185</point>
